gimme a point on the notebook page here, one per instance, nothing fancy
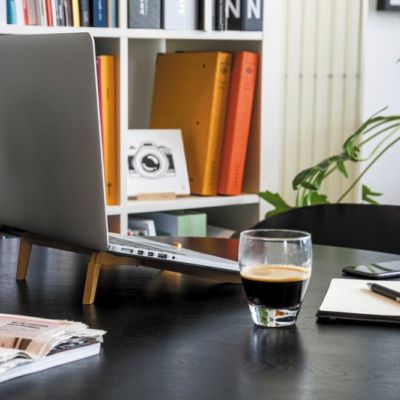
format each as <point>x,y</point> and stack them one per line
<point>352,296</point>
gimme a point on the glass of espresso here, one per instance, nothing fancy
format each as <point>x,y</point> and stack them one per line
<point>275,267</point>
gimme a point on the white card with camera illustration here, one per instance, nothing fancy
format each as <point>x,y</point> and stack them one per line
<point>156,162</point>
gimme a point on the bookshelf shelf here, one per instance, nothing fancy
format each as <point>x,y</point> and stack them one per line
<point>135,51</point>
<point>189,202</point>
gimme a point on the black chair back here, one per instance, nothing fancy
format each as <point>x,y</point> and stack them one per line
<point>362,226</point>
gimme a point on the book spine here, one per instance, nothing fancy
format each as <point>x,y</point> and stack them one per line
<point>219,15</point>
<point>237,125</point>
<point>40,16</point>
<point>19,12</point>
<point>85,12</point>
<point>233,15</point>
<point>145,14</point>
<point>3,13</point>
<point>49,13</point>
<point>252,12</point>
<point>112,13</point>
<point>206,15</point>
<point>60,13</point>
<point>99,13</point>
<point>68,12</point>
<point>25,11</point>
<point>76,18</point>
<point>216,128</point>
<point>108,98</point>
<point>100,101</point>
<point>180,15</point>
<point>11,12</point>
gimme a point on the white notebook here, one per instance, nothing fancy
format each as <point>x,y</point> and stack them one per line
<point>352,300</point>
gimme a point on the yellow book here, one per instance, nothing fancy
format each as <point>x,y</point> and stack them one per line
<point>190,93</point>
<point>76,20</point>
<point>107,97</point>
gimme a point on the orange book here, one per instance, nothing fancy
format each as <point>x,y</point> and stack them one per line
<point>107,98</point>
<point>237,125</point>
<point>190,93</point>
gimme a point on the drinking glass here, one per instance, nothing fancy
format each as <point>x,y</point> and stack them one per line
<point>275,267</point>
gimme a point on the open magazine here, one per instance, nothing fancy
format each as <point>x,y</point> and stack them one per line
<point>29,344</point>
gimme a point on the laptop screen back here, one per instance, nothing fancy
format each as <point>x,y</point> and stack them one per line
<point>51,177</point>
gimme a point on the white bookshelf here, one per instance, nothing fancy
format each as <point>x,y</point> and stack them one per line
<point>136,51</point>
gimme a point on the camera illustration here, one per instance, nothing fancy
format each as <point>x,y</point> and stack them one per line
<point>150,161</point>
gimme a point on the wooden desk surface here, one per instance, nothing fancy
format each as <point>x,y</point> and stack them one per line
<point>179,337</point>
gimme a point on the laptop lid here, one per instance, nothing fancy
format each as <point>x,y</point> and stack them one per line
<point>51,175</point>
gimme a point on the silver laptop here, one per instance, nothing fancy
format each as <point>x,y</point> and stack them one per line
<point>51,174</point>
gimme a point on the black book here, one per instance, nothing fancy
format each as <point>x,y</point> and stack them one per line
<point>85,12</point>
<point>233,15</point>
<point>252,15</point>
<point>60,17</point>
<point>219,15</point>
<point>144,14</point>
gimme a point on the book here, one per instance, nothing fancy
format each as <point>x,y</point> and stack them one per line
<point>11,12</point>
<point>60,17</point>
<point>179,223</point>
<point>76,18</point>
<point>144,14</point>
<point>68,12</point>
<point>19,12</point>
<point>112,11</point>
<point>233,11</point>
<point>99,13</point>
<point>30,344</point>
<point>107,97</point>
<point>350,299</point>
<point>3,13</point>
<point>205,15</point>
<point>252,15</point>
<point>237,125</point>
<point>49,13</point>
<point>219,15</point>
<point>84,12</point>
<point>180,15</point>
<point>190,93</point>
<point>41,18</point>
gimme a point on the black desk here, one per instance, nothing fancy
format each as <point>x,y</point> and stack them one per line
<point>178,337</point>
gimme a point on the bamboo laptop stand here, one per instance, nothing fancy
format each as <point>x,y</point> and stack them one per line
<point>96,260</point>
<point>101,258</point>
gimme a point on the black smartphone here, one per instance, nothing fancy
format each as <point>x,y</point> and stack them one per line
<point>383,270</point>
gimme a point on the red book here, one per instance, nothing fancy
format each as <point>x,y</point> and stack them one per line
<point>49,13</point>
<point>25,9</point>
<point>237,123</point>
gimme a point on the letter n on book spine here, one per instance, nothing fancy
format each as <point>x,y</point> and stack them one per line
<point>237,125</point>
<point>107,97</point>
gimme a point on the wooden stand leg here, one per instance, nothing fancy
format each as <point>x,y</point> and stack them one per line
<point>25,248</point>
<point>92,277</point>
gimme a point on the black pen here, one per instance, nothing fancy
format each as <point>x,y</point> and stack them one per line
<point>384,291</point>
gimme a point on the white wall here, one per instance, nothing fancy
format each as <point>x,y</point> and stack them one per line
<point>382,88</point>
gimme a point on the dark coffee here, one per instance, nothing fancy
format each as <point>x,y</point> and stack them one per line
<point>275,286</point>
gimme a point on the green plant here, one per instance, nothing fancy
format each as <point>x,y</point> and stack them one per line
<point>383,131</point>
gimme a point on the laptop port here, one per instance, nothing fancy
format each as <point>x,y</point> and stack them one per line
<point>162,255</point>
<point>126,250</point>
<point>140,252</point>
<point>150,254</point>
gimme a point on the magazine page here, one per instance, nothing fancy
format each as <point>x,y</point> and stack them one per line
<point>24,338</point>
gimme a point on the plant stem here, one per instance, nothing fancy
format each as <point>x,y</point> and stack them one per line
<point>366,169</point>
